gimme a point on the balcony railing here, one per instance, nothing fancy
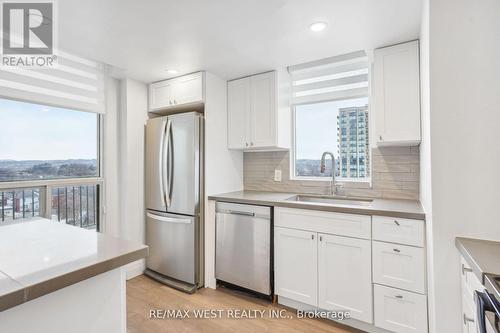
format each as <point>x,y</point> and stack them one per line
<point>76,203</point>
<point>18,204</point>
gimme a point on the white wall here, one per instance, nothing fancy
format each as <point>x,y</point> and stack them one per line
<point>110,157</point>
<point>425,155</point>
<point>464,156</point>
<point>223,168</point>
<point>131,118</point>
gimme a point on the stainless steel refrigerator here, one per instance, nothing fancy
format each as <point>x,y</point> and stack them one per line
<point>174,192</point>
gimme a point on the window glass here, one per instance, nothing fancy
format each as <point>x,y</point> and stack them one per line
<point>42,142</point>
<point>339,127</point>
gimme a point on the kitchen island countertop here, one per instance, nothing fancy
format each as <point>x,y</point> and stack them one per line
<point>39,256</point>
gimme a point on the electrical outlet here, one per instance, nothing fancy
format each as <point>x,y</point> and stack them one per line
<point>277,175</point>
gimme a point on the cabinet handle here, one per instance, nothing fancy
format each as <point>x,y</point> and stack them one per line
<point>251,143</point>
<point>396,250</point>
<point>399,296</point>
<point>380,137</point>
<point>466,270</point>
<point>312,236</point>
<point>170,102</point>
<point>175,102</point>
<point>320,238</point>
<point>397,223</point>
<point>468,320</point>
<point>246,143</point>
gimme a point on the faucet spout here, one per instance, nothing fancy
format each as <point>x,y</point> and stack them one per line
<point>322,167</point>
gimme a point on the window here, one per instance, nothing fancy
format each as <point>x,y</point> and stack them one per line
<point>40,142</point>
<point>340,127</point>
<point>49,164</point>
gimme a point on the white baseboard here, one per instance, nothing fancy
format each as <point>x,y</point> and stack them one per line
<point>135,269</point>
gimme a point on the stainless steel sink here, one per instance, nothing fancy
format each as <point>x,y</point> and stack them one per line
<point>331,200</point>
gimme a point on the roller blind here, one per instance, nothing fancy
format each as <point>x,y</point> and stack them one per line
<point>336,78</point>
<point>74,83</point>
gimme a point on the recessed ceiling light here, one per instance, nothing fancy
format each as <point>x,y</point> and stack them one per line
<point>318,26</point>
<point>172,71</point>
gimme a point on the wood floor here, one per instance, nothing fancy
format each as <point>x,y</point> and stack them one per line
<point>144,294</point>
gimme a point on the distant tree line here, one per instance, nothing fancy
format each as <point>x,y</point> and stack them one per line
<point>63,170</point>
<point>49,170</point>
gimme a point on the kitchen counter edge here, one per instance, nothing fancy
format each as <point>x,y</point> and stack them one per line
<point>16,293</point>
<point>382,207</point>
<point>483,256</point>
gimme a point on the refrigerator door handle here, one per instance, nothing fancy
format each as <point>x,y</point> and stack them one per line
<point>170,157</point>
<point>165,153</point>
<point>168,219</point>
<point>161,163</point>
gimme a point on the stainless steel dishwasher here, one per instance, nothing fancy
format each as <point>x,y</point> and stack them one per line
<point>243,246</point>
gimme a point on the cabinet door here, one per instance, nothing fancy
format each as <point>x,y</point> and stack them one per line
<point>160,95</point>
<point>397,94</point>
<point>345,282</point>
<point>263,110</point>
<point>400,311</point>
<point>296,264</point>
<point>188,89</point>
<point>238,113</point>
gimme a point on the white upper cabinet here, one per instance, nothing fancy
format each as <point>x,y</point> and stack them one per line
<point>396,95</point>
<point>238,101</point>
<point>176,93</point>
<point>263,110</point>
<point>259,112</point>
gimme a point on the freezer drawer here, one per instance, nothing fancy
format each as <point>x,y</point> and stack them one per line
<point>173,249</point>
<point>243,246</point>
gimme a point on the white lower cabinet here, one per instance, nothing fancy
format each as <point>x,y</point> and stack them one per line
<point>400,311</point>
<point>399,266</point>
<point>469,316</point>
<point>296,265</point>
<point>329,261</point>
<point>470,283</point>
<point>345,282</point>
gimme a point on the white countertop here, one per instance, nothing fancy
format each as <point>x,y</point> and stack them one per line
<point>411,209</point>
<point>39,256</point>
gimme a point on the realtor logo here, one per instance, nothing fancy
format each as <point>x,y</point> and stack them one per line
<point>28,33</point>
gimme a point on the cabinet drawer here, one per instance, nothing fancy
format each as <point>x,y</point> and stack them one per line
<point>468,315</point>
<point>399,266</point>
<point>396,230</point>
<point>400,311</point>
<point>351,225</point>
<point>470,282</point>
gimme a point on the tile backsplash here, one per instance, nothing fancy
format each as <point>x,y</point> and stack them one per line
<point>395,175</point>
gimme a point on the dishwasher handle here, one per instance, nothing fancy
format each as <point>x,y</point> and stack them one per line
<point>238,212</point>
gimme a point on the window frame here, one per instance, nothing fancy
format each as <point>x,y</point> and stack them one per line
<point>365,182</point>
<point>46,185</point>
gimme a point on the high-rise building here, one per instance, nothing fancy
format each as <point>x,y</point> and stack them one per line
<point>353,142</point>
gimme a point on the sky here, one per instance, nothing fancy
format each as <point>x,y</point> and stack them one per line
<point>37,132</point>
<point>316,127</point>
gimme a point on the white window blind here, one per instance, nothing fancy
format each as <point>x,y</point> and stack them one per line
<point>74,83</point>
<point>336,78</point>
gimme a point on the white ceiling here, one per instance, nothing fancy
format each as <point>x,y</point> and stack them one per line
<point>230,38</point>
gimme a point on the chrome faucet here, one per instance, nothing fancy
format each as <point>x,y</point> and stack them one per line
<point>333,183</point>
